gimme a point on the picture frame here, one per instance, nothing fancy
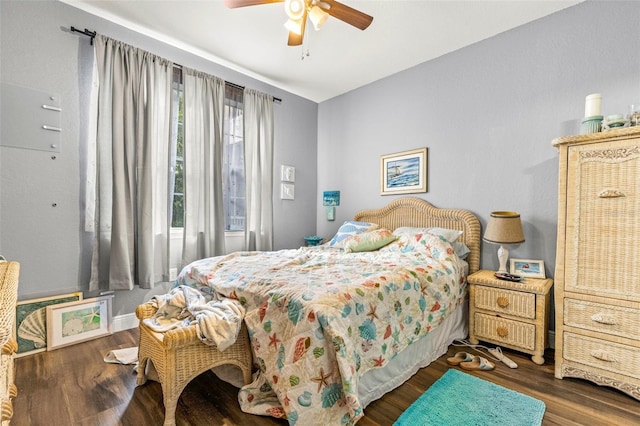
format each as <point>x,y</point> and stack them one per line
<point>287,173</point>
<point>31,322</point>
<point>527,268</point>
<point>331,198</point>
<point>404,172</point>
<point>287,191</point>
<point>79,321</point>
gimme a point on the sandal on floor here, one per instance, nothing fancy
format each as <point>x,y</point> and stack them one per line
<point>460,357</point>
<point>478,363</point>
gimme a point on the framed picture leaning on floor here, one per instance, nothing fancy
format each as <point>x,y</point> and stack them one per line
<point>31,322</point>
<point>79,321</point>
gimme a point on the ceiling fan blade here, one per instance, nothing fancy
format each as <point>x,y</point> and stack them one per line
<point>232,4</point>
<point>348,14</point>
<point>296,39</point>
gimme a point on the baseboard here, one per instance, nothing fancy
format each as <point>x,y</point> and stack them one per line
<point>124,322</point>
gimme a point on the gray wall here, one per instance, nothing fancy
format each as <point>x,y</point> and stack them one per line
<point>488,114</point>
<point>39,54</point>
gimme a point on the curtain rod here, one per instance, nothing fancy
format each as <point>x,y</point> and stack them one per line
<point>93,34</point>
<point>86,32</point>
<point>237,86</point>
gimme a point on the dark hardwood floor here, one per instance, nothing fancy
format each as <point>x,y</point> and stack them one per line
<point>74,386</point>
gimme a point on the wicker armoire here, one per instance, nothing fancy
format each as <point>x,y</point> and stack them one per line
<point>597,277</point>
<point>9,273</point>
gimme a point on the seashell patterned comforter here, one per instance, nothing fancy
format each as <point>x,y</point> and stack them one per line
<point>319,318</point>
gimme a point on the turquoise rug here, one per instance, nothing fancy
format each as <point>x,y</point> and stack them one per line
<point>459,398</point>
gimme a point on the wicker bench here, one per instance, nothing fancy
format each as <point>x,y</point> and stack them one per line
<point>179,356</point>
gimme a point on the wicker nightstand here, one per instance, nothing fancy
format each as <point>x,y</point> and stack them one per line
<point>509,314</point>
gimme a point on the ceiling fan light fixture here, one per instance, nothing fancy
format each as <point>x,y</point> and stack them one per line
<point>318,17</point>
<point>294,9</point>
<point>294,25</point>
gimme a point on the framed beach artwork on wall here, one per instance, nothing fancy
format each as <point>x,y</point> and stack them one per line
<point>404,172</point>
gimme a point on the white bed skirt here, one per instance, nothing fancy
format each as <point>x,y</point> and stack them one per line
<point>375,383</point>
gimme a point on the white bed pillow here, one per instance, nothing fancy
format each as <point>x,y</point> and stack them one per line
<point>414,235</point>
<point>461,249</point>
<point>450,235</point>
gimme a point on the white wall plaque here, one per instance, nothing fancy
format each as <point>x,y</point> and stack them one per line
<point>287,191</point>
<point>287,173</point>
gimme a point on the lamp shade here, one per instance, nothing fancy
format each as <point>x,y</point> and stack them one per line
<point>318,17</point>
<point>295,26</point>
<point>504,228</point>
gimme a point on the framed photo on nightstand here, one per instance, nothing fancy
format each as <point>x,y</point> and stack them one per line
<point>527,268</point>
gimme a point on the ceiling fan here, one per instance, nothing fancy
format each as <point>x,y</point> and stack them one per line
<point>316,10</point>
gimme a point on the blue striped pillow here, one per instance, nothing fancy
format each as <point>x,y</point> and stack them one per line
<point>349,228</point>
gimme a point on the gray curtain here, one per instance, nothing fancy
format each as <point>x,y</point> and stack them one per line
<point>258,155</point>
<point>131,202</point>
<point>203,139</point>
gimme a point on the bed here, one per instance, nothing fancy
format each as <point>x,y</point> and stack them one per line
<point>335,327</point>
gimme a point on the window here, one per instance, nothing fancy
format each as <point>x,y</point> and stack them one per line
<point>177,150</point>
<point>233,159</point>
<point>233,156</point>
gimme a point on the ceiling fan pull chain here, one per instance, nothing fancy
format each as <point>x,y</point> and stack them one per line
<point>304,48</point>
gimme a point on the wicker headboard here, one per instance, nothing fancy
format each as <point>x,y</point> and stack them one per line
<point>411,211</point>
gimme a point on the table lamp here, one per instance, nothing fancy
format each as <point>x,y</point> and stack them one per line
<point>504,228</point>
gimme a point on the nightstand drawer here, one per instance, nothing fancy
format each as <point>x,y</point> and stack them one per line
<point>509,302</point>
<point>609,356</point>
<point>513,333</point>
<point>614,320</point>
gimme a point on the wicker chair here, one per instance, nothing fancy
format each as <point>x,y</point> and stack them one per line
<point>179,356</point>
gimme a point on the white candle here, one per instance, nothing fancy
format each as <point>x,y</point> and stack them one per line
<point>592,105</point>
